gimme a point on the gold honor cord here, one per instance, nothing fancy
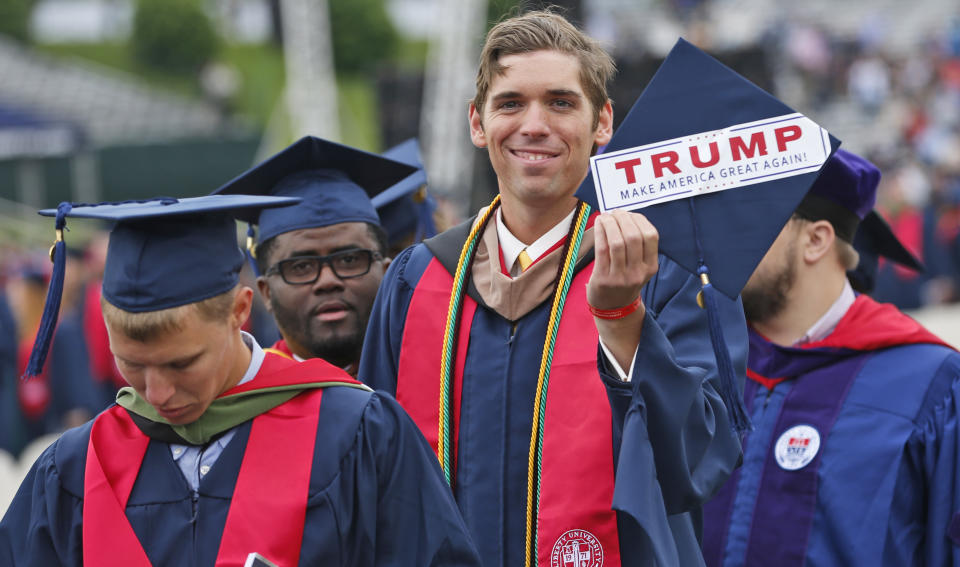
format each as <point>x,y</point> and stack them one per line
<point>450,339</point>
<point>565,277</point>
<point>540,401</point>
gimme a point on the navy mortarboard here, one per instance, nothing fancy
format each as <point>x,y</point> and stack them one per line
<point>698,130</point>
<point>406,209</point>
<point>163,253</point>
<point>335,182</point>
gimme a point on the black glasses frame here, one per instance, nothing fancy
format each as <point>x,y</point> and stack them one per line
<point>369,255</point>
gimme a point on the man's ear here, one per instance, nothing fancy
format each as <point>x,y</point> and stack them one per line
<point>476,127</point>
<point>242,304</point>
<point>604,125</point>
<point>819,240</point>
<point>264,288</point>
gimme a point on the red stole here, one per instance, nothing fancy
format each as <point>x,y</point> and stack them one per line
<point>280,347</point>
<point>577,479</point>
<point>267,511</point>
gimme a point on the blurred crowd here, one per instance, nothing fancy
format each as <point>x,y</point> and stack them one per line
<point>905,106</point>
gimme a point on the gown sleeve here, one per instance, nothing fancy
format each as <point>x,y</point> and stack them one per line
<point>924,521</point>
<point>379,361</point>
<point>43,525</point>
<point>671,409</point>
<point>416,519</point>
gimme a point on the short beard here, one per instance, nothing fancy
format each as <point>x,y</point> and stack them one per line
<point>767,299</point>
<point>339,350</point>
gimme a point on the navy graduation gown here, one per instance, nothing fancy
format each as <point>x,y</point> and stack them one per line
<point>376,497</point>
<point>682,446</point>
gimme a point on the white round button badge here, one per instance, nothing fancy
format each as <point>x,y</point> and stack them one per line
<point>796,447</point>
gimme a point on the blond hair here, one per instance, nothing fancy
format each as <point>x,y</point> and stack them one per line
<point>545,30</point>
<point>148,325</point>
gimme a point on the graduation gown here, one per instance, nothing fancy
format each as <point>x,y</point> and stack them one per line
<point>669,433</point>
<point>855,455</point>
<point>375,496</point>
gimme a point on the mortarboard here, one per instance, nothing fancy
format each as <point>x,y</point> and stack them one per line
<point>335,183</point>
<point>163,253</point>
<point>698,130</point>
<point>407,207</point>
<point>844,194</point>
<point>874,239</point>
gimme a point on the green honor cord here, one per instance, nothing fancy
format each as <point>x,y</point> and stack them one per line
<point>565,277</point>
<point>540,400</point>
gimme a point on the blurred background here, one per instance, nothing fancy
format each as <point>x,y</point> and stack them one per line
<point>123,99</point>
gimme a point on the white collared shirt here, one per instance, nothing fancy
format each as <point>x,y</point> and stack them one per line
<point>195,461</point>
<point>826,324</point>
<point>511,247</point>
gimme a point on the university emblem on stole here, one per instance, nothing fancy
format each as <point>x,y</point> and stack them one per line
<point>577,548</point>
<point>796,447</point>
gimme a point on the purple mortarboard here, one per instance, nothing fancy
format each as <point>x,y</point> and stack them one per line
<point>163,253</point>
<point>336,183</point>
<point>406,207</point>
<point>843,194</point>
<point>874,239</point>
<point>718,166</point>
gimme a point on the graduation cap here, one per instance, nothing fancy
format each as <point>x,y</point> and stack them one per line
<point>875,238</point>
<point>407,207</point>
<point>163,253</point>
<point>718,166</point>
<point>845,194</point>
<point>335,183</point>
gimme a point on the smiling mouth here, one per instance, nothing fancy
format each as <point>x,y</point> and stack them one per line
<point>532,156</point>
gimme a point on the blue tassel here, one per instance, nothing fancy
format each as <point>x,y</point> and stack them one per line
<point>51,309</point>
<point>729,392</point>
<point>248,251</point>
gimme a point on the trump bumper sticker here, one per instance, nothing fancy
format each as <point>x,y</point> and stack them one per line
<point>740,155</point>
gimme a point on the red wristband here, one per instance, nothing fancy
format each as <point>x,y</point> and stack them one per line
<point>618,313</point>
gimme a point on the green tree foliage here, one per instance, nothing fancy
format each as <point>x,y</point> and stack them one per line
<point>499,10</point>
<point>363,35</point>
<point>15,18</point>
<point>173,35</point>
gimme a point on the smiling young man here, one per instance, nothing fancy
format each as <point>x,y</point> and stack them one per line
<point>322,260</point>
<point>219,450</point>
<point>556,454</point>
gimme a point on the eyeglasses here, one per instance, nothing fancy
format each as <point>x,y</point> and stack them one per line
<point>303,270</point>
